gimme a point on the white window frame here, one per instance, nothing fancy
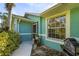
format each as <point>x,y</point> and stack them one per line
<point>56,39</point>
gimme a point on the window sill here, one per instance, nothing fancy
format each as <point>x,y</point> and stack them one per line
<point>59,41</point>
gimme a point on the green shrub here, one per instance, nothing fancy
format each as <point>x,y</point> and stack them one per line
<point>0,30</point>
<point>3,40</point>
<point>9,41</point>
<point>14,36</point>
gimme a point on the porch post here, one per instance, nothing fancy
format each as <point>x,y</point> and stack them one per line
<point>46,32</point>
<point>18,25</point>
<point>68,24</point>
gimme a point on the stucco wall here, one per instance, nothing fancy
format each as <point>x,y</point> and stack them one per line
<point>74,22</point>
<point>44,39</point>
<point>50,44</point>
<point>25,27</point>
<point>42,32</point>
<point>25,30</point>
<point>35,19</point>
<point>42,25</point>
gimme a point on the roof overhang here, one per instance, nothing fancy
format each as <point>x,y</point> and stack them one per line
<point>22,19</point>
<point>58,8</point>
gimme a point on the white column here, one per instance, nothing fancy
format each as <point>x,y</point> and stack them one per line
<point>15,24</point>
<point>18,25</point>
<point>39,25</point>
<point>46,28</point>
<point>68,24</point>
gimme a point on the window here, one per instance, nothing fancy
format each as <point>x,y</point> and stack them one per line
<point>56,27</point>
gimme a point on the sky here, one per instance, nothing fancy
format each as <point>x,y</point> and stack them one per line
<point>21,8</point>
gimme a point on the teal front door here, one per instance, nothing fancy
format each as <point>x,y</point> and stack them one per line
<point>25,30</point>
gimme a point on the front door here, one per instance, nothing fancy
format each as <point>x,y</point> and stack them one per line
<point>35,27</point>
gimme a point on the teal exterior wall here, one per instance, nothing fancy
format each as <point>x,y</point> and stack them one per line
<point>25,29</point>
<point>74,30</point>
<point>42,31</point>
<point>74,22</point>
<point>50,44</point>
<point>42,25</point>
<point>35,19</point>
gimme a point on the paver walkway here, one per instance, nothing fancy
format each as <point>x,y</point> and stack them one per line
<point>24,49</point>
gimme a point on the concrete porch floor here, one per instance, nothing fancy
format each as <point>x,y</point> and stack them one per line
<point>24,49</point>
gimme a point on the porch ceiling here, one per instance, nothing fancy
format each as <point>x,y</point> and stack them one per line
<point>59,8</point>
<point>22,18</point>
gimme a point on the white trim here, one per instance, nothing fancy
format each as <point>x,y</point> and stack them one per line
<point>56,27</point>
<point>42,35</point>
<point>36,27</point>
<point>22,18</point>
<point>18,26</point>
<point>26,33</point>
<point>59,41</point>
<point>15,24</point>
<point>32,33</point>
<point>39,25</point>
<point>46,28</point>
<point>67,24</point>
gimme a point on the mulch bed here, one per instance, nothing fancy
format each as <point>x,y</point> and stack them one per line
<point>45,51</point>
